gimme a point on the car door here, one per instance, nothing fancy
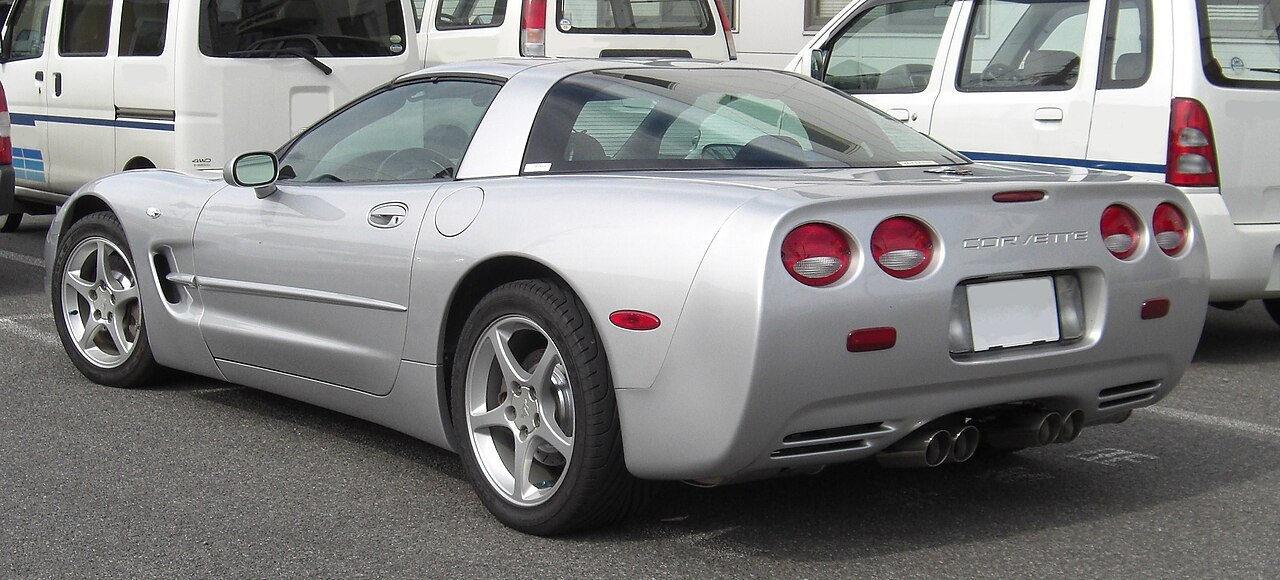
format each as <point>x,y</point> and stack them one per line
<point>25,84</point>
<point>890,53</point>
<point>313,279</point>
<point>1021,87</point>
<point>80,93</point>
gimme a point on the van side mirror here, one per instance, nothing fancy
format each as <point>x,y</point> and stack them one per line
<point>818,64</point>
<point>256,170</point>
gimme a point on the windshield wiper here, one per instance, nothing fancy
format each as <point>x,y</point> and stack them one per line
<point>324,68</point>
<point>1274,71</point>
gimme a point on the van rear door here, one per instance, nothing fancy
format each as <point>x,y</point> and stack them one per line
<point>1240,52</point>
<point>619,28</point>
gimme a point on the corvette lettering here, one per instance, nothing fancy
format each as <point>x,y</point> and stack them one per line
<point>1027,240</point>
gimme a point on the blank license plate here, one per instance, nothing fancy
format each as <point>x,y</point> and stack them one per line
<point>1013,313</point>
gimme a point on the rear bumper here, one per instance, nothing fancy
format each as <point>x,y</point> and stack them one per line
<point>1244,259</point>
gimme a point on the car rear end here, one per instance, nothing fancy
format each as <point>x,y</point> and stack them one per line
<point>879,310</point>
<point>626,28</point>
<point>1221,143</point>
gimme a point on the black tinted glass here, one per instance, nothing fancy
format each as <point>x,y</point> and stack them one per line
<point>334,28</point>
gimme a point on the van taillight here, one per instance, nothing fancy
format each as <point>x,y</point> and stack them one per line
<point>1193,159</point>
<point>728,30</point>
<point>533,28</point>
<point>6,143</point>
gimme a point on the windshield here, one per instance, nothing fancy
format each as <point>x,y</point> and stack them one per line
<point>635,17</point>
<point>1240,43</point>
<point>647,119</point>
<point>324,28</point>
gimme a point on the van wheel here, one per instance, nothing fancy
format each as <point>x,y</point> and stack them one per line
<point>534,413</point>
<point>10,222</point>
<point>1273,308</point>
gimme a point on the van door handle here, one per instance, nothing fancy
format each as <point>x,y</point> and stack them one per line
<point>899,114</point>
<point>1049,114</point>
<point>57,84</point>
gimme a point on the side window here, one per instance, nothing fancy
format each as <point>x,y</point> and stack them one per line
<point>25,38</point>
<point>407,133</point>
<point>1023,45</point>
<point>889,48</point>
<point>1126,45</point>
<point>454,14</point>
<point>142,27</point>
<point>85,27</point>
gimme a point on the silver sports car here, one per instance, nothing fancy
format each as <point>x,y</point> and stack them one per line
<point>583,275</point>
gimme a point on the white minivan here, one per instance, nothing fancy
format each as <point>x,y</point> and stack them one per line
<point>1183,91</point>
<point>454,30</point>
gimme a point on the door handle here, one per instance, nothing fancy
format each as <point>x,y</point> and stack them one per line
<point>57,84</point>
<point>388,215</point>
<point>1049,114</point>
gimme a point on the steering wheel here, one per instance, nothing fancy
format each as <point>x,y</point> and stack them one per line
<point>996,71</point>
<point>413,163</point>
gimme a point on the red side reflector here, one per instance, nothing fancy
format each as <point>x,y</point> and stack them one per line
<point>1017,196</point>
<point>1155,308</point>
<point>869,339</point>
<point>634,320</point>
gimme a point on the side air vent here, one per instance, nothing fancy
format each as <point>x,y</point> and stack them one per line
<point>163,267</point>
<point>830,440</point>
<point>1125,395</point>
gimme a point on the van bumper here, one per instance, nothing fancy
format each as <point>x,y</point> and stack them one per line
<point>1244,259</point>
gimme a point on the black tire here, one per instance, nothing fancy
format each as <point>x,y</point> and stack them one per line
<point>1273,308</point>
<point>547,331</point>
<point>101,310</point>
<point>9,222</point>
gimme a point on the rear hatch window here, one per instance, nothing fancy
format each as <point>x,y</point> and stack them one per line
<point>635,17</point>
<point>323,28</point>
<point>1239,42</point>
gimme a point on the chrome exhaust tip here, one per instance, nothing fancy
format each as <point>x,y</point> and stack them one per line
<point>964,443</point>
<point>1025,430</point>
<point>1072,425</point>
<point>924,447</point>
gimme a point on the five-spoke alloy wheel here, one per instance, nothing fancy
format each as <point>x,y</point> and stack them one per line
<point>534,413</point>
<point>97,307</point>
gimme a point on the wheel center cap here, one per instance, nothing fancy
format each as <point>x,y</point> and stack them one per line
<point>526,406</point>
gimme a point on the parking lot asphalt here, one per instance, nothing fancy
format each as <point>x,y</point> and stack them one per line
<point>200,478</point>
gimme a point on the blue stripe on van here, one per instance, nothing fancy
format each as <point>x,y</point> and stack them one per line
<point>1086,163</point>
<point>30,121</point>
<point>28,164</point>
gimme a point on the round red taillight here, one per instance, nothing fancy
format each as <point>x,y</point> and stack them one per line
<point>902,246</point>
<point>1170,225</point>
<point>1120,231</point>
<point>816,254</point>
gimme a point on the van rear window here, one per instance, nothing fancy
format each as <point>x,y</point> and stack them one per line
<point>321,28</point>
<point>635,17</point>
<point>1240,44</point>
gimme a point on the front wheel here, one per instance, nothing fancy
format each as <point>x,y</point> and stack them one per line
<point>534,413</point>
<point>96,304</point>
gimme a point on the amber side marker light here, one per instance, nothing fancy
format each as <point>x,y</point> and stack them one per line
<point>872,339</point>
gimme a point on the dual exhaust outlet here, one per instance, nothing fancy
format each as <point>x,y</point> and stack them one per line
<point>953,439</point>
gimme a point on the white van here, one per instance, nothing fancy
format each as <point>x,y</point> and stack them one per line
<point>454,30</point>
<point>99,86</point>
<point>1183,91</point>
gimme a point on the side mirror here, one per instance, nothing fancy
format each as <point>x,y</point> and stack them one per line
<point>818,64</point>
<point>256,170</point>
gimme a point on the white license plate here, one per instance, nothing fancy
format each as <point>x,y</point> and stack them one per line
<point>1013,313</point>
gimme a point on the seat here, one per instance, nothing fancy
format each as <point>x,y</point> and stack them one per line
<point>1050,67</point>
<point>910,77</point>
<point>1130,66</point>
<point>771,151</point>
<point>584,147</point>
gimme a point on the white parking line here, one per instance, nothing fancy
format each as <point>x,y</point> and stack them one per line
<point>16,325</point>
<point>22,259</point>
<point>1215,421</point>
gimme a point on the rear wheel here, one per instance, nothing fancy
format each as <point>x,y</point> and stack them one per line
<point>534,413</point>
<point>96,304</point>
<point>1273,308</point>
